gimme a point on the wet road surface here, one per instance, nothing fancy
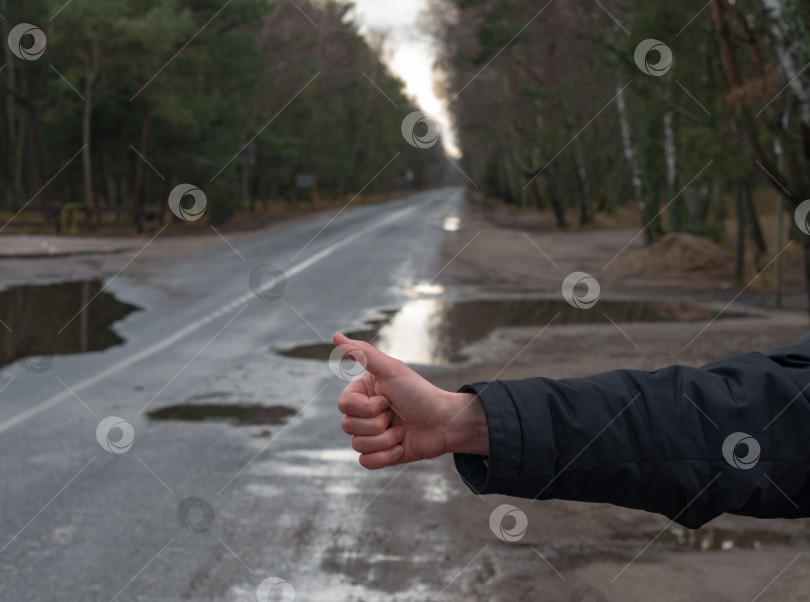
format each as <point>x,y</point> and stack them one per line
<point>102,501</point>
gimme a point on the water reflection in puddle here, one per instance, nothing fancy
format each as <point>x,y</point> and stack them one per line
<point>329,463</point>
<point>451,224</point>
<point>336,454</point>
<point>57,319</point>
<point>435,488</point>
<point>435,331</point>
<point>723,539</point>
<point>235,414</point>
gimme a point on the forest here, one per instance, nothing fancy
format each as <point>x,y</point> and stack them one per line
<point>109,105</point>
<point>681,108</point>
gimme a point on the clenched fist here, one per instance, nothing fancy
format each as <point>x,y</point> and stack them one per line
<point>396,416</point>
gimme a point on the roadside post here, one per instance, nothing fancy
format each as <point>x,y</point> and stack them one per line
<point>246,158</point>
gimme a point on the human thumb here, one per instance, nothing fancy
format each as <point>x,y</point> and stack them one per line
<point>368,356</point>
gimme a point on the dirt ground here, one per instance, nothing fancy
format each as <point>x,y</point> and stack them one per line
<point>586,546</point>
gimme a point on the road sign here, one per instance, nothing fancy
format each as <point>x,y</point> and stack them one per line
<point>304,181</point>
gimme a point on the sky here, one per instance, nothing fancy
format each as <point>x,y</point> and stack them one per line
<point>411,55</point>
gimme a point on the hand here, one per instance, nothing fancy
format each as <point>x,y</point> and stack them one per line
<point>396,416</point>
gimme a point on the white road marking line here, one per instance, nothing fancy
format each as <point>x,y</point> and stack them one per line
<point>182,333</point>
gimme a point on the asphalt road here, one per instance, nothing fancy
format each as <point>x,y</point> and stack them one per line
<point>82,523</point>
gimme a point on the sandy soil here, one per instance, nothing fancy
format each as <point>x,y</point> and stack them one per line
<point>592,543</point>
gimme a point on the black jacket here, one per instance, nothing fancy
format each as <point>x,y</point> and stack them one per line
<point>691,443</point>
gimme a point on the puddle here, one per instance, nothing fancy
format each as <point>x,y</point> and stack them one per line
<point>451,224</point>
<point>435,488</point>
<point>336,454</point>
<point>321,351</point>
<point>331,464</point>
<point>722,539</point>
<point>57,319</point>
<point>434,331</point>
<point>235,414</point>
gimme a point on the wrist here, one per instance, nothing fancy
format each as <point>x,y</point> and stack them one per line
<point>467,431</point>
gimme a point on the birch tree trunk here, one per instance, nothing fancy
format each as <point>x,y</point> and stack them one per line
<point>677,214</point>
<point>632,160</point>
<point>791,45</point>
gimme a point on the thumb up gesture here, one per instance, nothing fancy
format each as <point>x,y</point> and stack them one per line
<point>396,416</point>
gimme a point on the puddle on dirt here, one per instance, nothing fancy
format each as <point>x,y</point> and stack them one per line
<point>722,539</point>
<point>451,224</point>
<point>235,414</point>
<point>57,319</point>
<point>434,331</point>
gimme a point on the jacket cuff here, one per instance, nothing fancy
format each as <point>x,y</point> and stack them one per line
<point>500,471</point>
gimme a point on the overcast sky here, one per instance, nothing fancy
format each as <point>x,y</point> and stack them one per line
<point>411,53</point>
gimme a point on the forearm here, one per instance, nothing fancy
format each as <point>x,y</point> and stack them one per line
<point>652,441</point>
<point>467,431</point>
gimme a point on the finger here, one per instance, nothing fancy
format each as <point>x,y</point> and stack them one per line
<point>371,358</point>
<point>367,444</point>
<point>362,406</point>
<point>352,425</point>
<point>361,384</point>
<point>381,459</point>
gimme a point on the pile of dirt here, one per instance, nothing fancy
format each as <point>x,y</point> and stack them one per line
<point>679,256</point>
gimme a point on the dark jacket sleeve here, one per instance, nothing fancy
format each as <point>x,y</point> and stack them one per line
<point>690,443</point>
